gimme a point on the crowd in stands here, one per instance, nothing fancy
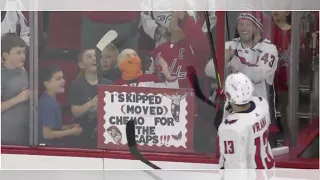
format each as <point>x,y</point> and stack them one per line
<point>153,49</point>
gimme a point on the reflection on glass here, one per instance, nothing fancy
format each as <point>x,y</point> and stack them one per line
<point>171,47</point>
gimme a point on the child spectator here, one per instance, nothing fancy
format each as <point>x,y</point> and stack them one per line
<point>51,128</point>
<point>14,92</point>
<point>108,62</point>
<point>84,100</point>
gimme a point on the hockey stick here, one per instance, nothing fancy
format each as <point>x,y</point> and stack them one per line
<point>214,59</point>
<point>199,93</point>
<point>107,39</point>
<point>104,41</point>
<point>195,80</point>
<point>131,138</point>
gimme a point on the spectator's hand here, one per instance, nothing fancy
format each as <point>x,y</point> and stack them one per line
<point>77,130</point>
<point>94,101</point>
<point>163,68</point>
<point>161,32</point>
<point>178,14</point>
<point>177,33</point>
<point>24,95</point>
<point>230,52</point>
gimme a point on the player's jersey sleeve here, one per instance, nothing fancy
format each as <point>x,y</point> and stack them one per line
<point>268,64</point>
<point>233,146</point>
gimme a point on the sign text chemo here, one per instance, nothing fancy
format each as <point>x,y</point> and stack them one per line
<point>160,119</point>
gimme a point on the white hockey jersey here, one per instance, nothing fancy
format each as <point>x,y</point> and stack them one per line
<point>243,138</point>
<point>259,63</point>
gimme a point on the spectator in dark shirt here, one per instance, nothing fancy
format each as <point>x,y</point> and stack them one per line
<point>14,92</point>
<point>50,116</point>
<point>84,100</point>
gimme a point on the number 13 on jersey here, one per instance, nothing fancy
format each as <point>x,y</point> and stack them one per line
<point>262,157</point>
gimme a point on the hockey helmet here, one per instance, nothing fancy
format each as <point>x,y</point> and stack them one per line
<point>238,89</point>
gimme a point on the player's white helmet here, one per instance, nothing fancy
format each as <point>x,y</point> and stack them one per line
<point>238,89</point>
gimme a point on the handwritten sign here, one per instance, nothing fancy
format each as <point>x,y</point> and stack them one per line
<point>163,117</point>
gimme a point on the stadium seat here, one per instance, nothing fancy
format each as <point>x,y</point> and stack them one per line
<point>64,30</point>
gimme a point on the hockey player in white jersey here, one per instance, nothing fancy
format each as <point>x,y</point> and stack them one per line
<point>243,133</point>
<point>254,56</point>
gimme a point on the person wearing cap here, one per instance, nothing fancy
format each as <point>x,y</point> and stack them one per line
<point>256,57</point>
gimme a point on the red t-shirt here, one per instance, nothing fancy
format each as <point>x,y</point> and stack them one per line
<point>282,40</point>
<point>112,17</point>
<point>192,51</point>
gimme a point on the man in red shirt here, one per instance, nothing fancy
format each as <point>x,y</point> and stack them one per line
<point>96,23</point>
<point>187,46</point>
<point>186,52</point>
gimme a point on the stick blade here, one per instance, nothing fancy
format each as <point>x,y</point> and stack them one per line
<point>131,138</point>
<point>107,39</point>
<point>131,134</point>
